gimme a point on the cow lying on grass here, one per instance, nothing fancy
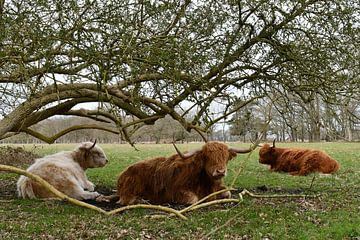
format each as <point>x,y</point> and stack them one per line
<point>296,161</point>
<point>180,178</point>
<point>66,172</point>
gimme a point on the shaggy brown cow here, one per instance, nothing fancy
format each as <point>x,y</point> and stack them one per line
<point>296,161</point>
<point>182,179</point>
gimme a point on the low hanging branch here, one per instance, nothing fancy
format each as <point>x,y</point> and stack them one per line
<point>53,138</point>
<point>253,147</point>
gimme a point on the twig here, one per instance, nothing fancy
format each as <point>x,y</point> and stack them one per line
<point>312,181</point>
<point>243,193</point>
<point>148,206</point>
<point>253,195</point>
<point>206,204</point>
<point>222,226</point>
<point>240,169</point>
<point>204,199</point>
<point>253,147</point>
<point>202,135</point>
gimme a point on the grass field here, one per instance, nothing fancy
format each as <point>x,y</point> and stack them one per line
<point>335,214</point>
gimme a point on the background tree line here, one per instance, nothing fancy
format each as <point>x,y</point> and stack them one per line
<point>289,122</point>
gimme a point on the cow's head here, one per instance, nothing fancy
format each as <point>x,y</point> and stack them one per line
<point>266,153</point>
<point>215,157</point>
<point>92,155</point>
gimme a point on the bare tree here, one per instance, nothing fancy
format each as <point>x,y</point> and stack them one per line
<point>141,60</point>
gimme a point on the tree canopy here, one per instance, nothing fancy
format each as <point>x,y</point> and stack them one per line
<point>142,60</point>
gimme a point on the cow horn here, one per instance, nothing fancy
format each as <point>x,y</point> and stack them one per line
<point>243,150</point>
<point>178,151</point>
<point>186,155</point>
<point>256,143</point>
<point>92,145</point>
<point>274,143</point>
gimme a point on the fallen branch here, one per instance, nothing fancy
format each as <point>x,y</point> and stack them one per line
<point>156,207</point>
<point>206,204</point>
<point>243,193</point>
<point>199,204</point>
<point>49,187</point>
<point>62,196</point>
<point>253,195</point>
<point>222,226</point>
<point>192,206</point>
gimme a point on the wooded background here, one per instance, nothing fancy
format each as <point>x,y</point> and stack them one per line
<point>164,70</point>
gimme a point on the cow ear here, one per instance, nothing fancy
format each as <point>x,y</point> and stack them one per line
<point>87,146</point>
<point>82,147</point>
<point>232,155</point>
<point>271,149</point>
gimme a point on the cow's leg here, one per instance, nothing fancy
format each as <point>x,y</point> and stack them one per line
<point>295,173</point>
<point>86,195</point>
<point>84,182</point>
<point>226,194</point>
<point>110,198</point>
<point>218,187</point>
<point>89,186</point>
<point>127,199</point>
<point>79,193</point>
<point>304,172</point>
<point>74,189</point>
<point>186,197</point>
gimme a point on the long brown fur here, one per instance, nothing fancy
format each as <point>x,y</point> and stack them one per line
<point>297,161</point>
<point>176,180</point>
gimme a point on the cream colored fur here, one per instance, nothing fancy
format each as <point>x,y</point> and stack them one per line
<point>66,172</point>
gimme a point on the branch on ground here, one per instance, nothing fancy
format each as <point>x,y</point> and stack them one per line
<point>171,211</point>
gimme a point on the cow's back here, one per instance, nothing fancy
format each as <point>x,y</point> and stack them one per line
<point>139,181</point>
<point>60,173</point>
<point>305,161</point>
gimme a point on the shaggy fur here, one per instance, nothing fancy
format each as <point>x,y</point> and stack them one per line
<point>297,161</point>
<point>174,179</point>
<point>66,172</point>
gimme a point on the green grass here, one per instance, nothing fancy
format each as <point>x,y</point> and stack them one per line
<point>334,215</point>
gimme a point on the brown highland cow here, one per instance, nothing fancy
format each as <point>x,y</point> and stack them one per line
<point>180,178</point>
<point>296,161</point>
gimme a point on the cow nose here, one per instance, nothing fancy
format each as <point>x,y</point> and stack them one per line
<point>106,160</point>
<point>220,172</point>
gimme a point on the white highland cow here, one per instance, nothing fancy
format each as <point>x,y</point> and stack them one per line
<point>66,172</point>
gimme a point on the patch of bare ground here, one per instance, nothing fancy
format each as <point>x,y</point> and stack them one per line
<point>8,189</point>
<point>17,157</point>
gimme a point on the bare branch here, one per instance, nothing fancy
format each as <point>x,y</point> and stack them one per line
<point>53,138</point>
